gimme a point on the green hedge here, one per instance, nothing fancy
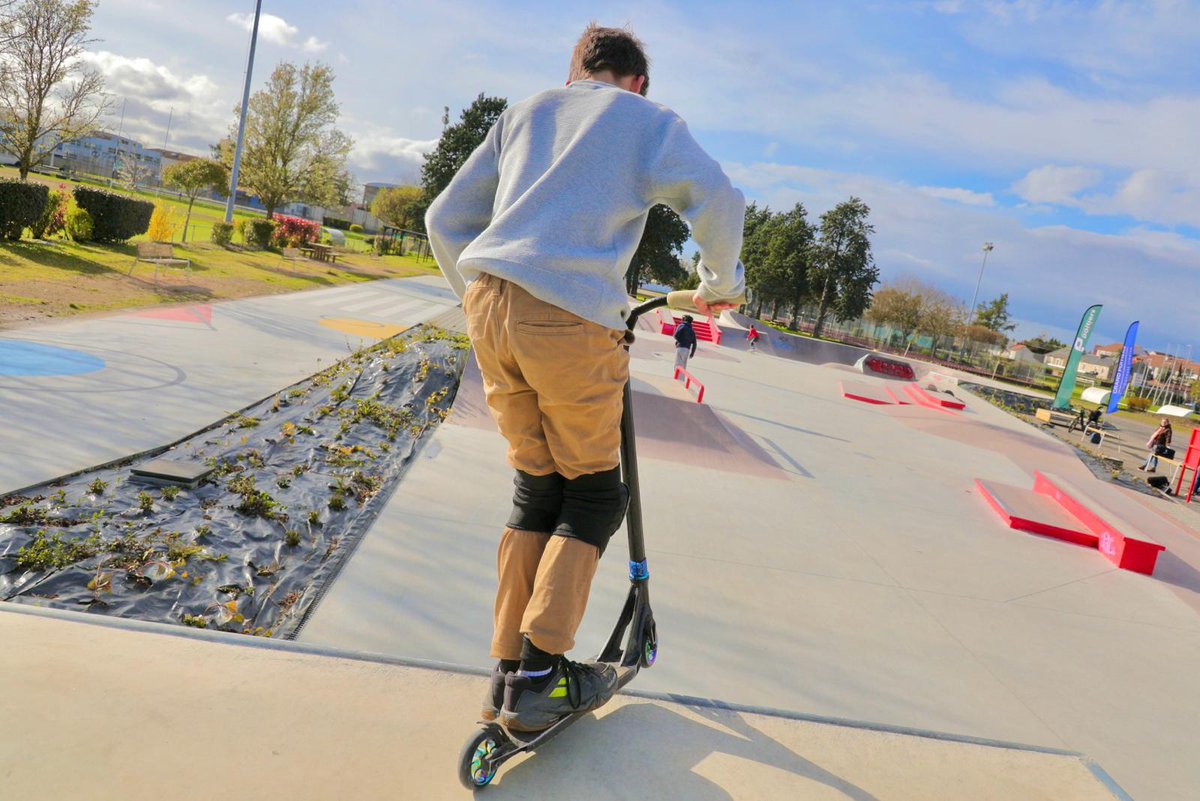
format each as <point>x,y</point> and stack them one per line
<point>222,233</point>
<point>115,218</point>
<point>21,205</point>
<point>259,233</point>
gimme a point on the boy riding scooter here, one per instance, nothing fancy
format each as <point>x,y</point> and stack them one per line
<point>535,233</point>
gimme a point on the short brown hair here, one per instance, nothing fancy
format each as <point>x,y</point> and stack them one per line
<point>614,49</point>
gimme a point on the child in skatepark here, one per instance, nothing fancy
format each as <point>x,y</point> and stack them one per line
<point>535,234</point>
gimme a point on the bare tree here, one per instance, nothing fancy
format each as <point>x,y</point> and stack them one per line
<point>46,95</point>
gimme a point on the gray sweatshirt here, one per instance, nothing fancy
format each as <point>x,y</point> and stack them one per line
<point>556,199</point>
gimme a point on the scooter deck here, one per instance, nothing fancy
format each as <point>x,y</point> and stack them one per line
<point>528,740</point>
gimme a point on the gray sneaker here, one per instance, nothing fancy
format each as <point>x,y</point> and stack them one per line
<point>535,704</point>
<point>493,697</point>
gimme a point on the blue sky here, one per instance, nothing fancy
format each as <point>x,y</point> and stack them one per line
<point>1064,132</point>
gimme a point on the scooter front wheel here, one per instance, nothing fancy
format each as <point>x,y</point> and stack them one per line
<point>476,767</point>
<point>649,643</point>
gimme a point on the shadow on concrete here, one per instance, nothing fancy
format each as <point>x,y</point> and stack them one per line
<point>785,425</point>
<point>1174,571</point>
<point>645,750</point>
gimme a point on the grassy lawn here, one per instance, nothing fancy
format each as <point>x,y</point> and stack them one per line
<point>40,281</point>
<point>62,278</point>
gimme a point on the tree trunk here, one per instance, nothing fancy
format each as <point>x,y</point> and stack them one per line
<point>187,218</point>
<point>774,308</point>
<point>822,310</point>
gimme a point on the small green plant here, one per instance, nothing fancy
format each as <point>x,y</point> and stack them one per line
<point>169,493</point>
<point>59,497</point>
<point>222,233</point>
<point>203,531</point>
<point>283,482</point>
<point>337,503</point>
<point>292,538</point>
<point>196,621</point>
<point>52,552</point>
<point>247,422</point>
<point>314,518</point>
<point>145,503</point>
<point>97,487</point>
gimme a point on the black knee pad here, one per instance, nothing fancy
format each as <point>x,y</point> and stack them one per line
<point>537,502</point>
<point>593,507</point>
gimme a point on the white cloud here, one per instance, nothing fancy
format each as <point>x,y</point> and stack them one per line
<point>153,96</point>
<point>314,45</point>
<point>1050,272</point>
<point>1054,184</point>
<point>270,27</point>
<point>379,155</point>
<point>965,196</point>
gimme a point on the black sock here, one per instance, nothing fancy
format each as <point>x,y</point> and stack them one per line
<point>534,659</point>
<point>509,665</point>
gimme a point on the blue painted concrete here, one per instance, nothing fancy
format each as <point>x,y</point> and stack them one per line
<point>31,359</point>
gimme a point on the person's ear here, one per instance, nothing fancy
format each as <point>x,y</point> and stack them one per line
<point>636,85</point>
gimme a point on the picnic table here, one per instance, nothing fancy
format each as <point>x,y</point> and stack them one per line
<point>319,252</point>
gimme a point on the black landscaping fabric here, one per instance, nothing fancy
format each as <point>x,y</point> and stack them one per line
<point>298,479</point>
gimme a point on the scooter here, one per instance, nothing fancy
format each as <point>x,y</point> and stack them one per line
<point>633,644</point>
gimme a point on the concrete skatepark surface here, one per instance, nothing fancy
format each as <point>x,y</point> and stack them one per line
<point>807,553</point>
<point>213,718</point>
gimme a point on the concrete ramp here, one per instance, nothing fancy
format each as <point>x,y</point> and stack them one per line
<point>124,710</point>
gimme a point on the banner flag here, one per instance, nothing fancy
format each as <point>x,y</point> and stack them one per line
<point>1124,368</point>
<point>1066,386</point>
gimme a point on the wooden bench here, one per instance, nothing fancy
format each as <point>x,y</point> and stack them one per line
<point>160,254</point>
<point>1051,417</point>
<point>1105,435</point>
<point>293,255</point>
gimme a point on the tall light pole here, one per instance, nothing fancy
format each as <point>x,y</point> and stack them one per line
<point>987,248</point>
<point>237,152</point>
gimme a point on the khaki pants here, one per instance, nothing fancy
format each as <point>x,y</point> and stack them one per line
<point>554,383</point>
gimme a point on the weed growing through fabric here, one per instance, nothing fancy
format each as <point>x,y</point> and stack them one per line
<point>145,503</point>
<point>314,518</point>
<point>53,552</point>
<point>59,498</point>
<point>244,421</point>
<point>203,531</point>
<point>292,538</point>
<point>283,482</point>
<point>169,493</point>
<point>337,503</point>
<point>196,621</point>
<point>97,487</point>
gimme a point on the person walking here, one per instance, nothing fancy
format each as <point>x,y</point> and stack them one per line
<point>685,342</point>
<point>1160,439</point>
<point>535,233</point>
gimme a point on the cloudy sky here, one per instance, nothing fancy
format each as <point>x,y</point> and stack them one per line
<point>1063,131</point>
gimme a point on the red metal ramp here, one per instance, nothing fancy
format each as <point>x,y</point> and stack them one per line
<point>925,398</point>
<point>867,393</point>
<point>1056,508</point>
<point>1026,510</point>
<point>1119,541</point>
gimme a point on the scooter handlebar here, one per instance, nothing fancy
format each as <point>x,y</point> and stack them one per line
<point>681,300</point>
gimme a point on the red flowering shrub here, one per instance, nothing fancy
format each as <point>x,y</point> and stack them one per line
<point>293,231</point>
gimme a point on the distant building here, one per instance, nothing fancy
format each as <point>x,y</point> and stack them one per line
<point>105,154</point>
<point>1103,368</point>
<point>168,158</point>
<point>1021,353</point>
<point>372,189</point>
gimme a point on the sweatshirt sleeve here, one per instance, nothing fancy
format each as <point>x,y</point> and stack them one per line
<point>691,182</point>
<point>464,208</point>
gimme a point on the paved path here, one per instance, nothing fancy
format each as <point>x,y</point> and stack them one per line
<point>213,717</point>
<point>83,392</point>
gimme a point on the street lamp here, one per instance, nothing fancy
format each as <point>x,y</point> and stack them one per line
<point>237,151</point>
<point>987,248</point>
